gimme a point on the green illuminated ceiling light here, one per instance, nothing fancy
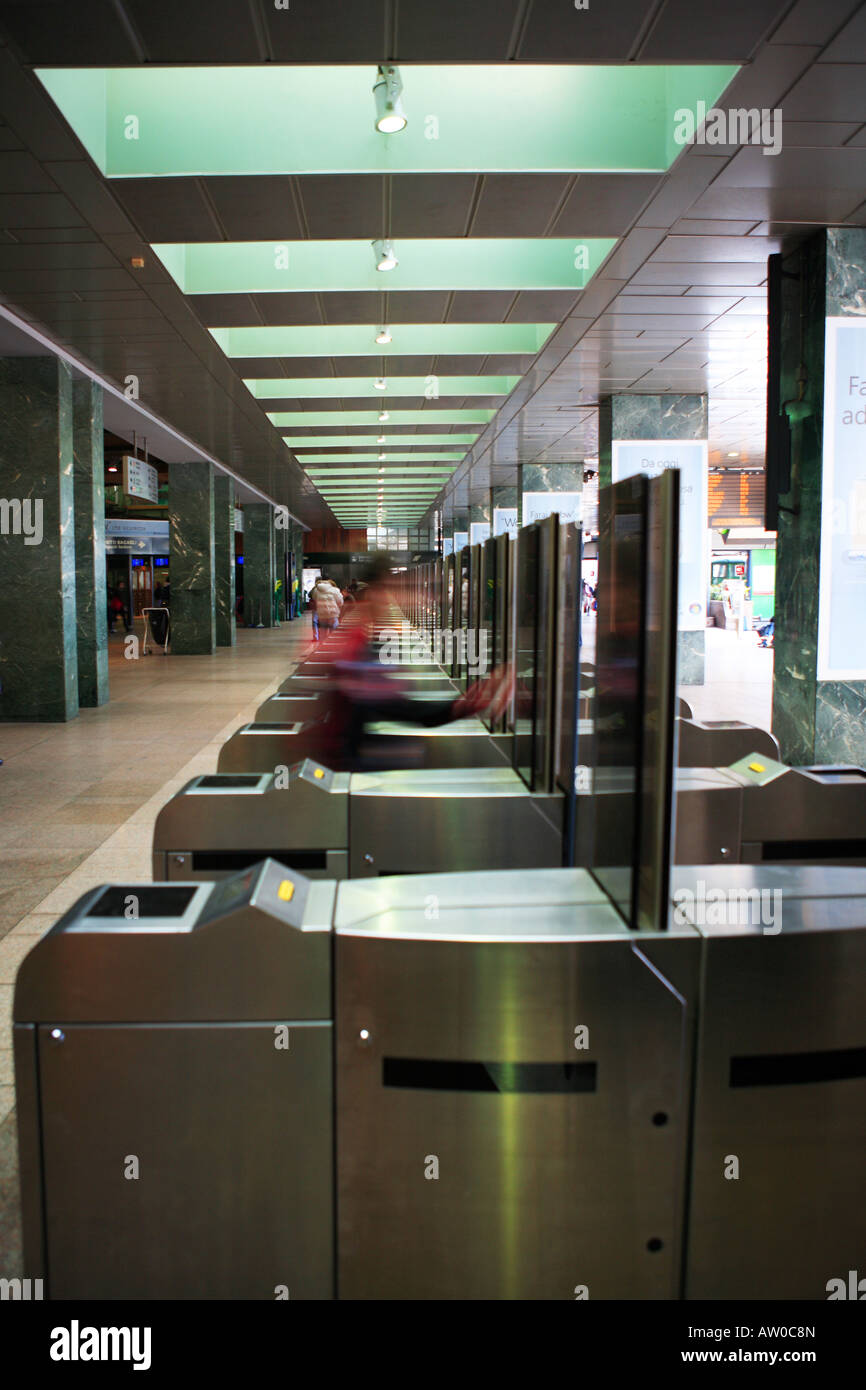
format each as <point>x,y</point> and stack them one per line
<point>365,441</point>
<point>444,456</point>
<point>335,387</point>
<point>150,121</point>
<point>447,263</point>
<point>416,340</point>
<point>312,418</point>
<point>425,470</point>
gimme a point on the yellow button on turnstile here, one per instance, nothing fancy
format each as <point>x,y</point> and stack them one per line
<point>318,773</point>
<point>286,890</point>
<point>757,767</point>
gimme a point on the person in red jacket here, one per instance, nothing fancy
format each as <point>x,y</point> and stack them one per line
<point>362,690</point>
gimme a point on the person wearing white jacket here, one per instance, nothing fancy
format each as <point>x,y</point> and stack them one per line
<point>326,601</point>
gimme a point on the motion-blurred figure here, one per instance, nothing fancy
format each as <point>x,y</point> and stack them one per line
<point>362,691</point>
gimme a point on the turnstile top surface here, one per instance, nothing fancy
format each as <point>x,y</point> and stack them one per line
<point>510,905</point>
<point>795,880</point>
<point>457,726</point>
<point>433,782</point>
<point>741,900</point>
<point>250,946</point>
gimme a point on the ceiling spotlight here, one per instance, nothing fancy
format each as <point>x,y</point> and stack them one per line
<point>383,416</point>
<point>381,459</point>
<point>386,258</point>
<point>380,384</point>
<point>390,116</point>
<point>381,439</point>
<point>383,336</point>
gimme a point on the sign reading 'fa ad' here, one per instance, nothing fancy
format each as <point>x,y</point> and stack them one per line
<point>654,456</point>
<point>842,584</point>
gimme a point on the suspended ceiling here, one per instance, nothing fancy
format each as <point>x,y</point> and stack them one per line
<point>678,306</point>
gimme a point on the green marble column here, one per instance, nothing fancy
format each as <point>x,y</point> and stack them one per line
<point>671,417</point>
<point>224,559</point>
<point>38,648</point>
<point>548,477</point>
<point>297,547</point>
<point>191,532</point>
<point>282,537</point>
<point>258,564</point>
<point>479,517</point>
<point>505,499</point>
<point>816,719</point>
<point>91,597</point>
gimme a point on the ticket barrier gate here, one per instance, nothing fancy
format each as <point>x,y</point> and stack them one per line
<point>355,825</point>
<point>779,1125</point>
<point>757,811</point>
<point>463,743</point>
<point>455,1036</point>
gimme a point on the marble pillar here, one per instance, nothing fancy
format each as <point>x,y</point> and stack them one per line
<point>534,478</point>
<point>668,417</point>
<point>224,559</point>
<point>191,532</point>
<point>282,536</point>
<point>818,719</point>
<point>504,509</point>
<point>38,639</point>
<point>259,564</point>
<point>91,590</point>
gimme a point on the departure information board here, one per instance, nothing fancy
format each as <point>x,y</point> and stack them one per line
<point>735,499</point>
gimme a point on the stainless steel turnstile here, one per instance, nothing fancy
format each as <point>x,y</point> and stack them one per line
<point>776,1205</point>
<point>512,1091</point>
<point>463,743</point>
<point>358,825</point>
<point>523,1098</point>
<point>174,1074</point>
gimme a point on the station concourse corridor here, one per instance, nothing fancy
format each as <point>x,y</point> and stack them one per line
<point>518,955</point>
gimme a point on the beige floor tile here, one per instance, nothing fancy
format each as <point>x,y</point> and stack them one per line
<point>12,952</point>
<point>7,1101</point>
<point>35,924</point>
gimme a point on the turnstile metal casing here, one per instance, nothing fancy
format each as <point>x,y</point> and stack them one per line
<point>328,824</point>
<point>156,1041</point>
<point>779,1130</point>
<point>218,824</point>
<point>481,1153</point>
<point>463,743</point>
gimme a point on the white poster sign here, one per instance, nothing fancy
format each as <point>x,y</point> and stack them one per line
<point>505,520</point>
<point>447,545</point>
<point>538,505</point>
<point>842,579</point>
<point>140,479</point>
<point>461,538</point>
<point>654,456</point>
<point>479,531</point>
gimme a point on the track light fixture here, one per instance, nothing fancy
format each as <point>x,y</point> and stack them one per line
<point>381,439</point>
<point>381,458</point>
<point>383,336</point>
<point>381,383</point>
<point>386,258</point>
<point>390,116</point>
<point>383,416</point>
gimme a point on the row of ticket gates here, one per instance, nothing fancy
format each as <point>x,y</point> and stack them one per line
<point>364,1036</point>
